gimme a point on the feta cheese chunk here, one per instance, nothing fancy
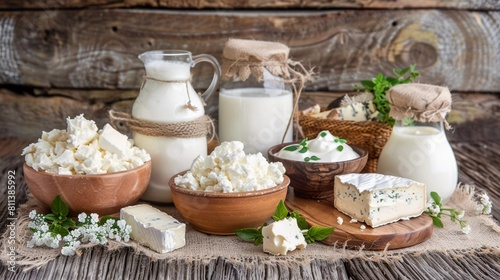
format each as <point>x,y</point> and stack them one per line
<point>113,141</point>
<point>378,199</point>
<point>154,228</point>
<point>283,236</point>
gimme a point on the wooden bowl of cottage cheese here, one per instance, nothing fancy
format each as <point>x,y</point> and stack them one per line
<point>94,171</point>
<point>229,190</point>
<point>103,194</point>
<point>312,165</point>
<point>223,213</point>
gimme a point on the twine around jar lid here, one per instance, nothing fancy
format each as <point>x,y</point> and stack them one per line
<point>421,102</point>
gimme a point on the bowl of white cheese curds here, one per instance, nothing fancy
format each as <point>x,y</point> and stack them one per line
<point>313,164</point>
<point>94,171</point>
<point>229,190</point>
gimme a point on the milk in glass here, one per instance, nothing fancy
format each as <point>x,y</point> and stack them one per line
<point>257,117</point>
<point>423,154</point>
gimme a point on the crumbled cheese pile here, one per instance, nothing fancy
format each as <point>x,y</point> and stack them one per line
<point>229,169</point>
<point>82,149</point>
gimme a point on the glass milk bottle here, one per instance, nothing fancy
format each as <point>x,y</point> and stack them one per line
<point>418,148</point>
<point>255,105</point>
<point>168,98</point>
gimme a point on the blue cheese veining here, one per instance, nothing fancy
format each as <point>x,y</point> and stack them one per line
<point>378,199</point>
<point>154,228</point>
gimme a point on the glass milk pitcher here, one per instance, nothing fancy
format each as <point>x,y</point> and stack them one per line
<point>422,153</point>
<point>167,96</point>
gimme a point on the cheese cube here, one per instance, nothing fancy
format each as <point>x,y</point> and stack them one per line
<point>283,236</point>
<point>378,199</point>
<point>113,141</point>
<point>154,228</point>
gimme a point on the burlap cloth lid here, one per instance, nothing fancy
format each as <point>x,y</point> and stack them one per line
<point>421,102</point>
<point>243,58</point>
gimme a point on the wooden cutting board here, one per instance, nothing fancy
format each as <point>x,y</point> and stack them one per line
<point>322,213</point>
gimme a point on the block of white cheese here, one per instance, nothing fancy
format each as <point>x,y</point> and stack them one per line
<point>113,141</point>
<point>283,236</point>
<point>378,199</point>
<point>154,228</point>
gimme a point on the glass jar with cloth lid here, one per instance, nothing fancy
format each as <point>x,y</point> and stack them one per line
<point>418,148</point>
<point>256,98</point>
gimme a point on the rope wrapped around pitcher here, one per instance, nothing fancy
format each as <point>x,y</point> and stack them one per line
<point>199,127</point>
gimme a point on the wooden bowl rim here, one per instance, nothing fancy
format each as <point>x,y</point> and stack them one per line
<point>362,154</point>
<point>146,165</point>
<point>199,193</point>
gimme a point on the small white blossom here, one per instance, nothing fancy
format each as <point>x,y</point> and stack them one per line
<point>94,218</point>
<point>461,215</point>
<point>82,217</point>
<point>466,229</point>
<point>32,214</point>
<point>485,205</point>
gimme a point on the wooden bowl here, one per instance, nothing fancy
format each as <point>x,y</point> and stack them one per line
<point>315,179</point>
<point>224,213</point>
<point>103,194</point>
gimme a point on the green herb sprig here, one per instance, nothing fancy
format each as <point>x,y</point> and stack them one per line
<point>311,234</point>
<point>379,85</point>
<point>435,210</point>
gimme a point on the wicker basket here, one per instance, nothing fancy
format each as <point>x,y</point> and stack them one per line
<point>369,135</point>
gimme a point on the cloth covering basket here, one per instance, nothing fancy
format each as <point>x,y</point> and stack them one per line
<point>369,135</point>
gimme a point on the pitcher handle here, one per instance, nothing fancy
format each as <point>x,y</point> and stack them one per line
<point>217,72</point>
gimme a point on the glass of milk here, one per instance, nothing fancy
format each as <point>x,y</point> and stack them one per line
<point>421,152</point>
<point>256,113</point>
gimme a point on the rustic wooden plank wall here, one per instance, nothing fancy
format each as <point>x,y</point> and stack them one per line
<point>59,58</point>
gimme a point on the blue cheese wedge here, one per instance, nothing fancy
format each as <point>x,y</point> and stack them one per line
<point>283,236</point>
<point>154,228</point>
<point>378,199</point>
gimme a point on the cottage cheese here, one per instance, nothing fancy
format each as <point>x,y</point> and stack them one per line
<point>324,148</point>
<point>229,169</point>
<point>83,149</point>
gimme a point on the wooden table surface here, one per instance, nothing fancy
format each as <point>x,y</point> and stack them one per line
<point>478,163</point>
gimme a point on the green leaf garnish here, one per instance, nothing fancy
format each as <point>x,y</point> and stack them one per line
<point>379,86</point>
<point>317,233</point>
<point>292,148</point>
<point>59,208</point>
<point>303,150</point>
<point>323,134</point>
<point>281,211</point>
<point>308,159</point>
<point>435,196</point>
<point>251,234</point>
<point>340,148</point>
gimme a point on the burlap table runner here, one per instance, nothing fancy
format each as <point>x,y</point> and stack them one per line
<point>483,238</point>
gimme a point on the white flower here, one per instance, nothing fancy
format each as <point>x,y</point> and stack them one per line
<point>82,217</point>
<point>433,208</point>
<point>94,218</point>
<point>466,229</point>
<point>32,214</point>
<point>461,215</point>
